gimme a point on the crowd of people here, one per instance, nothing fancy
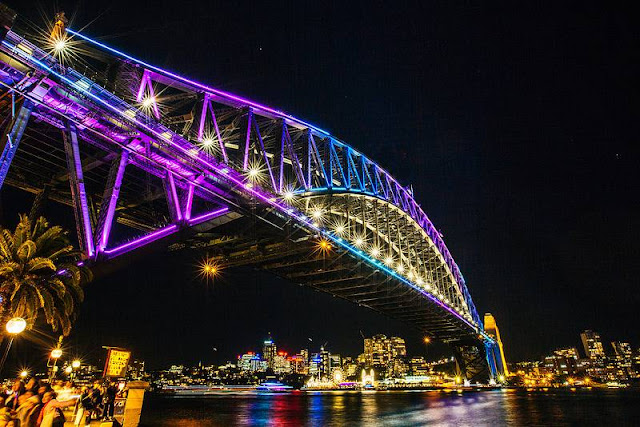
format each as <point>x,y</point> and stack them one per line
<point>42,404</point>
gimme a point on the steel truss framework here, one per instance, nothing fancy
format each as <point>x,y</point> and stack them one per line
<point>231,158</point>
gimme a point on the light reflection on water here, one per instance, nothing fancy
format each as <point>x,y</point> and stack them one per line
<point>495,408</point>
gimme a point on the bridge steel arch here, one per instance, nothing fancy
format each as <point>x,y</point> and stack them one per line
<point>252,184</point>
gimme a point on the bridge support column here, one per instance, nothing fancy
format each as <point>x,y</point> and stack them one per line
<point>78,193</point>
<point>12,137</point>
<point>110,200</point>
<point>472,362</point>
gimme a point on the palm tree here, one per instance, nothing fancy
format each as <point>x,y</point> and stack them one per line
<point>39,270</point>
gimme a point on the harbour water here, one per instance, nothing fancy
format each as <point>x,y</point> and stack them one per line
<point>398,408</point>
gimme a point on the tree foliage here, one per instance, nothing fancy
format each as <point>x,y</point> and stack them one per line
<point>39,272</point>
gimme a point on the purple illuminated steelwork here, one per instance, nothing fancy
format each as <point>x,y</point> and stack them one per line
<point>247,142</point>
<point>172,197</point>
<point>110,201</point>
<point>265,156</point>
<point>78,193</point>
<point>189,202</point>
<point>141,241</point>
<point>12,139</point>
<point>200,85</point>
<point>145,82</point>
<point>206,106</point>
<point>208,216</point>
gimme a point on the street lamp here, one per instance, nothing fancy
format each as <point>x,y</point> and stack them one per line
<point>56,354</point>
<point>75,364</point>
<point>14,327</point>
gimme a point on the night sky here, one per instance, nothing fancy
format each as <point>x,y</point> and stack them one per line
<point>516,124</point>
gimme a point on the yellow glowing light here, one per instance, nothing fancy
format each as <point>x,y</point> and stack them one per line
<point>148,101</point>
<point>56,353</point>
<point>288,195</point>
<point>68,370</point>
<point>359,241</point>
<point>324,245</point>
<point>253,172</point>
<point>340,229</point>
<point>388,260</point>
<point>458,380</point>
<point>16,325</point>
<point>375,252</point>
<point>420,281</point>
<point>24,374</point>
<point>209,269</point>
<point>59,45</point>
<point>75,364</point>
<point>501,378</point>
<point>317,213</point>
<point>400,268</point>
<point>427,340</point>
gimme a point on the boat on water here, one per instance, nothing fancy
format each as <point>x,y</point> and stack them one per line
<point>191,390</point>
<point>274,387</point>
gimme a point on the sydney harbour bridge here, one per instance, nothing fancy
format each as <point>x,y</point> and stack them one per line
<point>149,159</point>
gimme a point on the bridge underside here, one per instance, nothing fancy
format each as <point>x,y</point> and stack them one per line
<point>301,259</point>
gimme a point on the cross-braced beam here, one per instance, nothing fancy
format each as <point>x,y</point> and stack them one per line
<point>11,138</point>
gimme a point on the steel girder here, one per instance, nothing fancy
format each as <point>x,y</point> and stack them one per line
<point>11,138</point>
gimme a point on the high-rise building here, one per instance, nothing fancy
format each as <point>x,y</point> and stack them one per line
<point>314,365</point>
<point>376,351</point>
<point>398,347</point>
<point>335,361</point>
<point>325,363</point>
<point>281,364</point>
<point>299,363</point>
<point>418,366</point>
<point>269,352</point>
<point>491,328</point>
<point>592,343</point>
<point>563,361</point>
<point>251,362</point>
<point>387,353</point>
<point>623,352</point>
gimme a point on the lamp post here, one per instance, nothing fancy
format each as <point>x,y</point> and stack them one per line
<point>14,327</point>
<point>56,354</point>
<point>74,366</point>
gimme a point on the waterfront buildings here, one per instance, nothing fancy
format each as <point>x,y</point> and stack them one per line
<point>617,364</point>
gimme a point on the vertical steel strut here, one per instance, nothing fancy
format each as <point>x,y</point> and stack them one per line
<point>12,137</point>
<point>78,193</point>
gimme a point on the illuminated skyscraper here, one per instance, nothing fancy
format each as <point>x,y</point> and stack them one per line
<point>491,328</point>
<point>380,350</point>
<point>624,354</point>
<point>592,345</point>
<point>377,351</point>
<point>269,352</point>
<point>398,347</point>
